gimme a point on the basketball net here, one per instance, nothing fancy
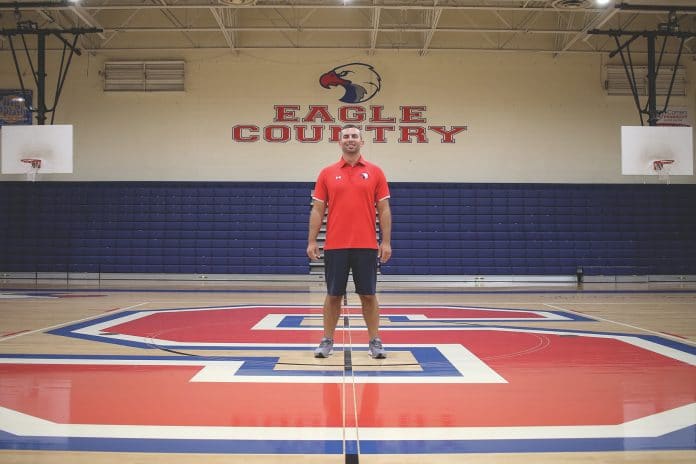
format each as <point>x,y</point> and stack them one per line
<point>663,169</point>
<point>33,166</point>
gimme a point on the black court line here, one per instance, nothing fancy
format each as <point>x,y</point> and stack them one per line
<point>347,352</point>
<point>350,458</point>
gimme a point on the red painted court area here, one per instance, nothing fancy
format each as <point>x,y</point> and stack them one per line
<point>241,325</point>
<point>467,376</point>
<point>565,381</point>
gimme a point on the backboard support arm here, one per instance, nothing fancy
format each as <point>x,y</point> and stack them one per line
<point>670,29</point>
<point>29,28</point>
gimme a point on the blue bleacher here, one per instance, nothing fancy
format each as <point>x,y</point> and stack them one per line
<point>261,228</point>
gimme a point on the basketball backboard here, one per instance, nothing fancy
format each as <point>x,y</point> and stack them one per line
<point>641,146</point>
<point>53,145</point>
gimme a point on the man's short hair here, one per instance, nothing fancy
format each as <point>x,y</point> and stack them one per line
<point>352,126</point>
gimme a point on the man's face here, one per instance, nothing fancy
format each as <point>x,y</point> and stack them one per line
<point>351,141</point>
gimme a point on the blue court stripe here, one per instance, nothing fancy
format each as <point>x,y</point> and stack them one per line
<point>684,439</point>
<point>9,441</point>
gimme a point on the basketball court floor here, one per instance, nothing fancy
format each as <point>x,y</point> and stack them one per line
<point>213,372</point>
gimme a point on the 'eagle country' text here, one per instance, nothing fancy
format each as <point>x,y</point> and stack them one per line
<point>318,122</point>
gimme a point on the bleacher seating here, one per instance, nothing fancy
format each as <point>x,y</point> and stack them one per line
<point>261,228</point>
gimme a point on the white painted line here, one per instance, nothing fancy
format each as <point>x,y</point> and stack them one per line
<point>69,323</point>
<point>354,432</point>
<point>25,425</point>
<point>654,425</point>
<point>630,339</point>
<point>218,372</point>
<point>471,369</point>
<point>470,366</point>
<point>661,334</point>
<point>20,296</point>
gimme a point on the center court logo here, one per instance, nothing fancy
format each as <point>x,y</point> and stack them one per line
<point>360,81</point>
<point>254,395</point>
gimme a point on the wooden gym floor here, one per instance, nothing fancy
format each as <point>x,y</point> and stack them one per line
<point>212,372</point>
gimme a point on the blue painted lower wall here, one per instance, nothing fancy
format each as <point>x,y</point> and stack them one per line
<point>261,228</point>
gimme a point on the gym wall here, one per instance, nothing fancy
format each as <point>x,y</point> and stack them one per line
<point>531,187</point>
<point>528,118</point>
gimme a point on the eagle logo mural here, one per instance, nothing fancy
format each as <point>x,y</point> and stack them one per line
<point>360,81</point>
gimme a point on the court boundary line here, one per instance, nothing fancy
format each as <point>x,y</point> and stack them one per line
<point>635,327</point>
<point>349,376</point>
<point>480,291</point>
<point>77,321</point>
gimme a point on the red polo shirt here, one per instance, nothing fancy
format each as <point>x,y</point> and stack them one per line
<point>351,193</point>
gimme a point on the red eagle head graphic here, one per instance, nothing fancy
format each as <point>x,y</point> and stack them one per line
<point>360,81</point>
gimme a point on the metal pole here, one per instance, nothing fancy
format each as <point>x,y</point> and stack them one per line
<point>652,81</point>
<point>41,80</point>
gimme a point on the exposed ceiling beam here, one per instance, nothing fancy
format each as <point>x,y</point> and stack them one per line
<point>171,17</point>
<point>599,21</point>
<point>117,31</point>
<point>527,21</point>
<point>223,28</point>
<point>472,30</point>
<point>433,27</point>
<point>88,19</point>
<point>664,8</point>
<point>306,18</point>
<point>47,17</point>
<point>375,29</point>
<point>391,6</point>
<point>380,49</point>
<point>503,20</point>
<point>369,25</point>
<point>284,30</point>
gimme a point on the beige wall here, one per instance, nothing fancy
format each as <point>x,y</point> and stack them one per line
<point>530,118</point>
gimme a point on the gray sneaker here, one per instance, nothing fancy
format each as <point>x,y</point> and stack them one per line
<point>376,349</point>
<point>324,349</point>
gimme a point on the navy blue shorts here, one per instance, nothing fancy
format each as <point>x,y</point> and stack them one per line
<point>338,263</point>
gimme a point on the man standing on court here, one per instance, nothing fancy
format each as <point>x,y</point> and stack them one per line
<point>351,188</point>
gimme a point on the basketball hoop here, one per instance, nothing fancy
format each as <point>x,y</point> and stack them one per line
<point>34,164</point>
<point>663,168</point>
